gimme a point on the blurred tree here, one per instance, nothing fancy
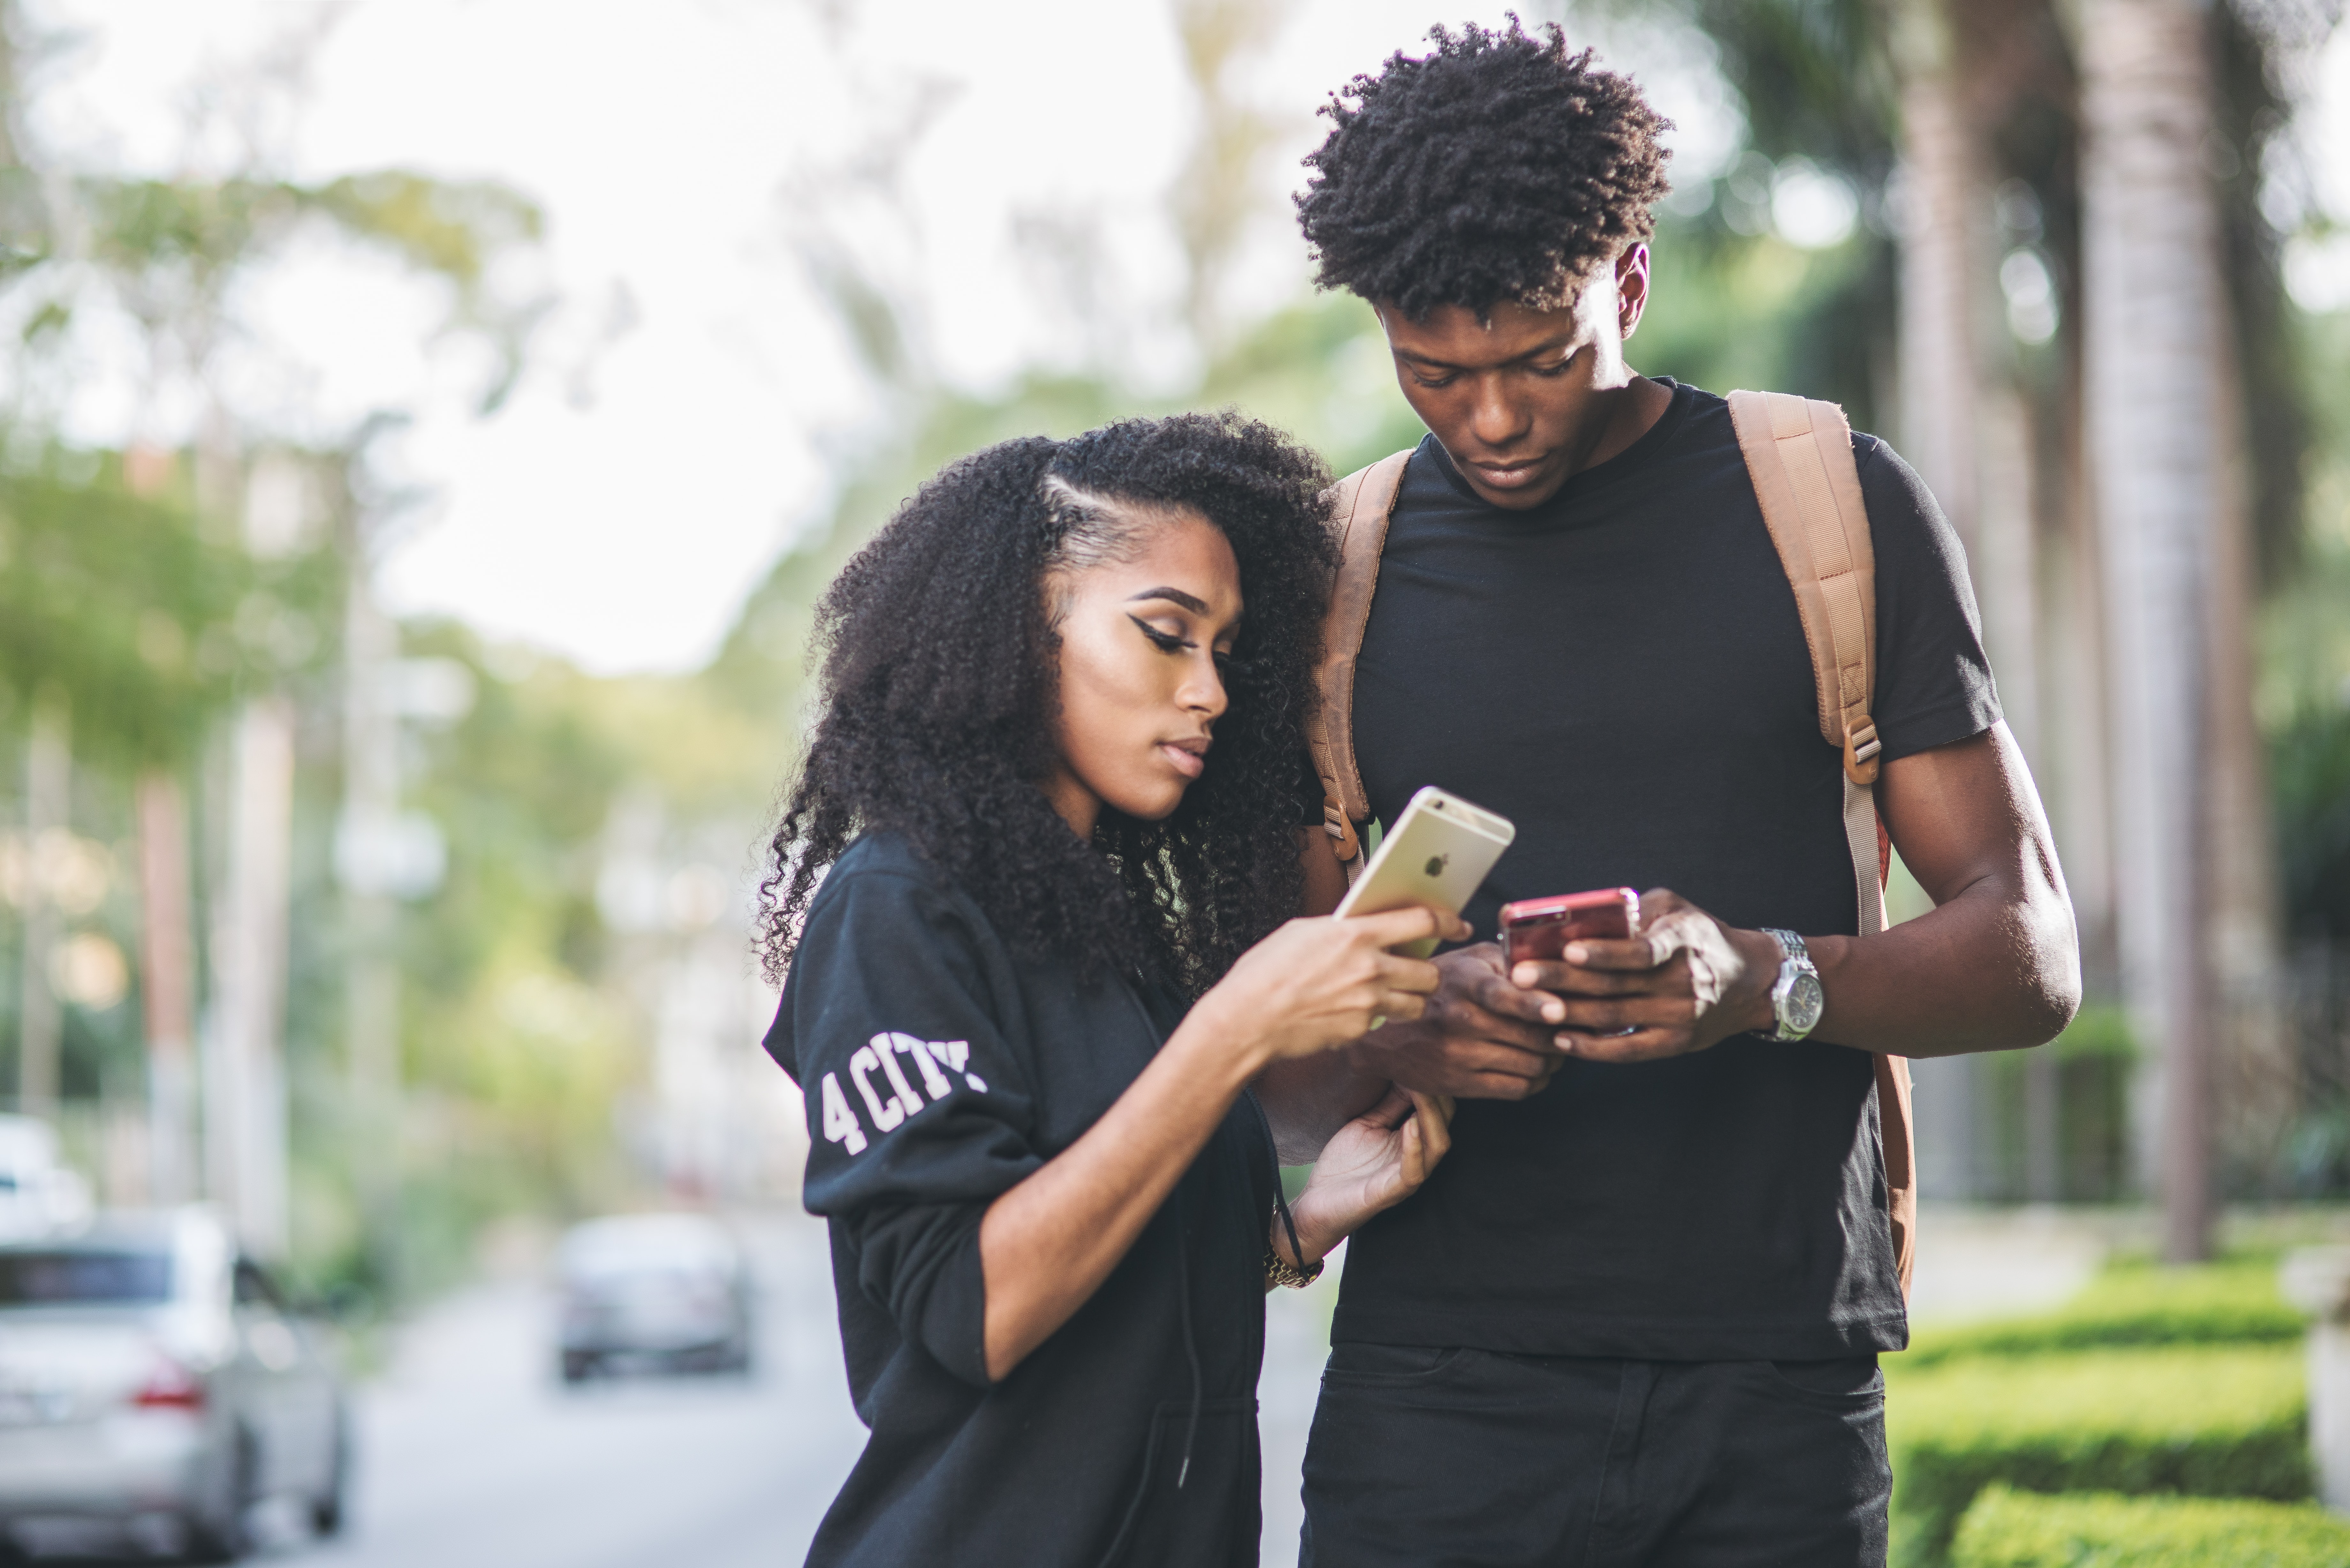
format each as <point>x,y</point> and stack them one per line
<point>116,605</point>
<point>169,254</point>
<point>1216,197</point>
<point>2154,296</point>
<point>1815,86</point>
<point>1960,127</point>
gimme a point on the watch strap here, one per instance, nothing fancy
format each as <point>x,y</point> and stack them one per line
<point>1794,959</point>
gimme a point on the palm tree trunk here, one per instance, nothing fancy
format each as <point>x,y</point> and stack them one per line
<point>245,1101</point>
<point>371,976</point>
<point>40,1020</point>
<point>1965,426</point>
<point>167,988</point>
<point>2255,1072</point>
<point>2154,328</point>
<point>1942,186</point>
<point>1940,274</point>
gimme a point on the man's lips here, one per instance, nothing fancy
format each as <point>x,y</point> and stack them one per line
<point>1189,758</point>
<point>1507,475</point>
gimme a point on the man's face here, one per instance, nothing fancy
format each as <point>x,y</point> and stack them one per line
<point>1517,399</point>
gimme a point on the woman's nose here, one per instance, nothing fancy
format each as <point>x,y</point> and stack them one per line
<point>1203,691</point>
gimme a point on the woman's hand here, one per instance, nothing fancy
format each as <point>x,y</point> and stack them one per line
<point>1320,982</point>
<point>1375,1162</point>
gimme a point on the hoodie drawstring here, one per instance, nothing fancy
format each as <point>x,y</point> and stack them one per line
<point>1280,1198</point>
<point>1190,1343</point>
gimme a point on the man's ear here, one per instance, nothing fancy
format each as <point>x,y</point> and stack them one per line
<point>1631,289</point>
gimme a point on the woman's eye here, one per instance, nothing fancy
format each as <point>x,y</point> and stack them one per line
<point>1164,641</point>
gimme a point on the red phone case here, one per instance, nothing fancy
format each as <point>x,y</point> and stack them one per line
<point>1540,928</point>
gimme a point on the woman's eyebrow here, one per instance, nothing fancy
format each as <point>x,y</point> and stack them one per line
<point>1172,595</point>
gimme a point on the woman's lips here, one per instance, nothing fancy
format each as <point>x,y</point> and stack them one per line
<point>1188,762</point>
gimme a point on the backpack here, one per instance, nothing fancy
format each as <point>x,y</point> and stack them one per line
<point>1799,456</point>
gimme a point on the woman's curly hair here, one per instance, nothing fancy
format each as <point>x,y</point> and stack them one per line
<point>938,689</point>
<point>1499,168</point>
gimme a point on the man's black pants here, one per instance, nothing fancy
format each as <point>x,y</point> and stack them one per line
<point>1466,1459</point>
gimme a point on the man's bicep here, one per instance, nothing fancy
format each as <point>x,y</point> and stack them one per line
<point>1933,684</point>
<point>1964,812</point>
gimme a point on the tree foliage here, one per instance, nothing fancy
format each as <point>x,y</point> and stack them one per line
<point>116,604</point>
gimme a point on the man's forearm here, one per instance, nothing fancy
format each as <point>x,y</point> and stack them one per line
<point>1307,1099</point>
<point>1997,965</point>
<point>1995,969</point>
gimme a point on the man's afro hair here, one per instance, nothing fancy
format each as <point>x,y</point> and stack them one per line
<point>1499,168</point>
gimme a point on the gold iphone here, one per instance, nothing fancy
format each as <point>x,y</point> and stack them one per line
<point>1437,854</point>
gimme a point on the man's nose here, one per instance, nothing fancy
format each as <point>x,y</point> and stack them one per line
<point>1496,420</point>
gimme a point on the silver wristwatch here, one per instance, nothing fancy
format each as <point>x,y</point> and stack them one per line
<point>1797,998</point>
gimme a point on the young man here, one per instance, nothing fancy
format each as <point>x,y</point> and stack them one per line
<point>1635,1317</point>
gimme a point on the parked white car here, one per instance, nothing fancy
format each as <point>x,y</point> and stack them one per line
<point>152,1378</point>
<point>653,1291</point>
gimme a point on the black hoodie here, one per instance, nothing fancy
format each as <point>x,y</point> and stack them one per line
<point>939,1070</point>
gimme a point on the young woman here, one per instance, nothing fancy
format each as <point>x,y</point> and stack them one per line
<point>1051,802</point>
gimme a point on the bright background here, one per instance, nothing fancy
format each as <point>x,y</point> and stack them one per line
<point>490,499</point>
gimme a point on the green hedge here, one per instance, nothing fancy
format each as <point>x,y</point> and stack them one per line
<point>2233,1303</point>
<point>2008,1528</point>
<point>2215,1421</point>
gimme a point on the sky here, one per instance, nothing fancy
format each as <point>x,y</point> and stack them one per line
<point>691,402</point>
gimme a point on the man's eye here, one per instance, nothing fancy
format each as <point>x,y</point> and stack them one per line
<point>1419,380</point>
<point>1553,370</point>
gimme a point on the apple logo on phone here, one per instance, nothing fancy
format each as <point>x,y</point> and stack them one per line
<point>1436,863</point>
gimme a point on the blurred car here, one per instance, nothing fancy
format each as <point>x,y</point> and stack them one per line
<point>151,1377</point>
<point>653,1291</point>
<point>37,1194</point>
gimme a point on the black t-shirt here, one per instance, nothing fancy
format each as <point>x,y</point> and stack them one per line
<point>939,1068</point>
<point>1621,672</point>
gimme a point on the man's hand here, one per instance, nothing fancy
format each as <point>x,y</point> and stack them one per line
<point>1686,982</point>
<point>1481,1037</point>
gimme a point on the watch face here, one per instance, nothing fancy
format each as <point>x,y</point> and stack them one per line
<point>1800,1009</point>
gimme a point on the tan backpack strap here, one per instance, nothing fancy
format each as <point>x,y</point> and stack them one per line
<point>1360,504</point>
<point>1798,452</point>
<point>1897,1127</point>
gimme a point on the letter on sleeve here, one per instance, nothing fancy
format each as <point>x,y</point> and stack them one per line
<point>906,1096</point>
<point>956,1054</point>
<point>886,1113</point>
<point>932,1079</point>
<point>840,1123</point>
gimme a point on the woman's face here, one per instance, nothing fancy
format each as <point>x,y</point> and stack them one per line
<point>1140,690</point>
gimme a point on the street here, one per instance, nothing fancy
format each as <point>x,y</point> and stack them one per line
<point>473,1453</point>
<point>472,1450</point>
